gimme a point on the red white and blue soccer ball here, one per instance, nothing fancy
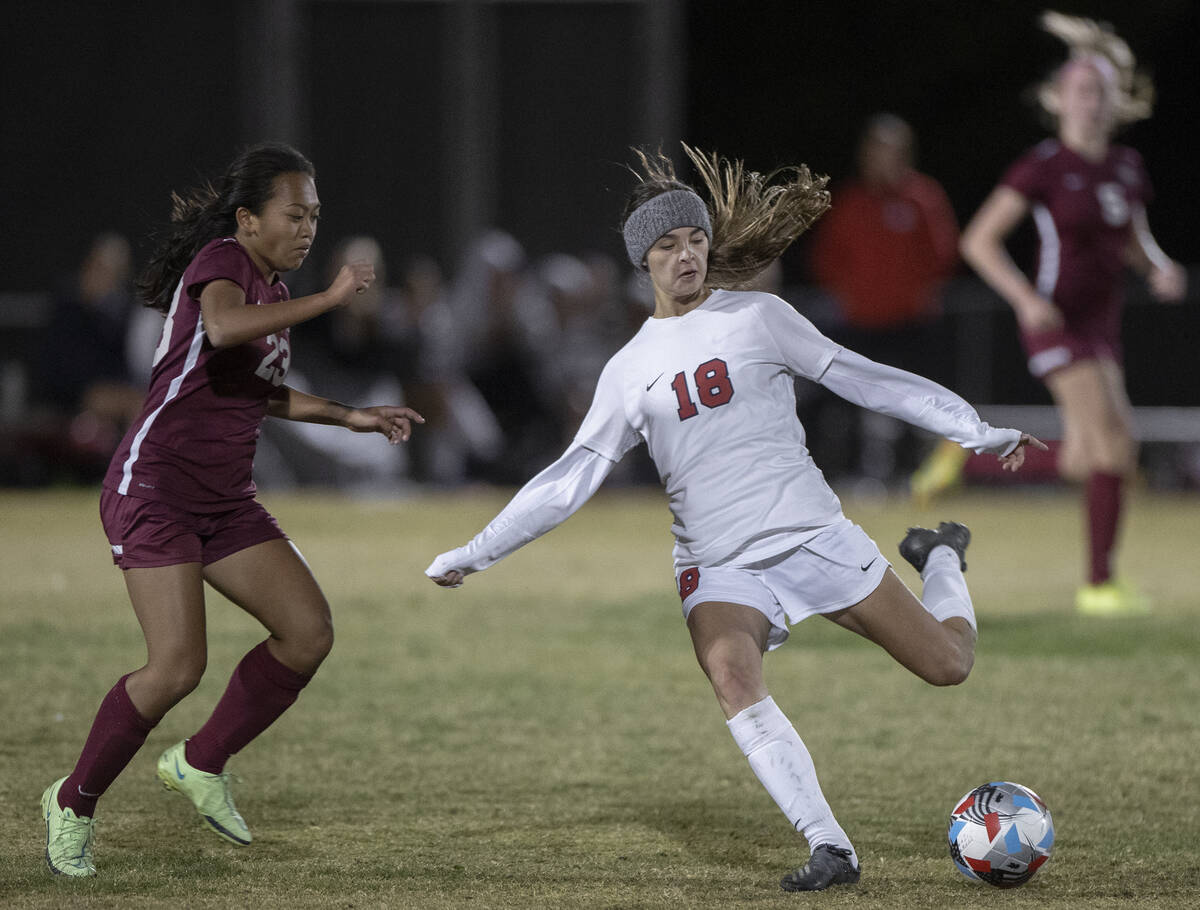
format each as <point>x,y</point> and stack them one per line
<point>1000,833</point>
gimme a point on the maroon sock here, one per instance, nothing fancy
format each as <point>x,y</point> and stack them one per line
<point>260,689</point>
<point>117,733</point>
<point>1104,517</point>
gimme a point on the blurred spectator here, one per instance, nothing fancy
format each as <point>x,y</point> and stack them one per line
<point>365,351</point>
<point>496,341</point>
<point>883,253</point>
<point>460,429</point>
<point>587,309</point>
<point>84,393</point>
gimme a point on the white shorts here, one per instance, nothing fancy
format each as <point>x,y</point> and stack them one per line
<point>832,571</point>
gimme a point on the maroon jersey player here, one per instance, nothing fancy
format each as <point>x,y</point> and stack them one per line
<point>178,504</point>
<point>1083,209</point>
<point>1087,197</point>
<point>212,398</point>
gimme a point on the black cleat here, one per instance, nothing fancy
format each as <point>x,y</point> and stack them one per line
<point>918,543</point>
<point>828,865</point>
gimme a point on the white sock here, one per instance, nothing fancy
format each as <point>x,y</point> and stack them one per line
<point>945,593</point>
<point>782,764</point>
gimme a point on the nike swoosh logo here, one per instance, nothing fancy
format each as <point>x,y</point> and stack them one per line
<point>178,773</point>
<point>868,565</point>
<point>654,380</point>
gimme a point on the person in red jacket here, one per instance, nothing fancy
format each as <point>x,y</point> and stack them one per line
<point>883,252</point>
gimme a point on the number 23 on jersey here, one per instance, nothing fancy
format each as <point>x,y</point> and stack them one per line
<point>274,366</point>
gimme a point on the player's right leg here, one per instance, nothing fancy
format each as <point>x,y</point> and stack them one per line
<point>729,640</point>
<point>169,604</point>
<point>1099,450</point>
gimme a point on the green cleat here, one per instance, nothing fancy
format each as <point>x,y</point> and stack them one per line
<point>209,793</point>
<point>941,472</point>
<point>1111,598</point>
<point>68,837</point>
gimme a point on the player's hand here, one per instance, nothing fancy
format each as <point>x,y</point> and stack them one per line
<point>1014,459</point>
<point>1168,283</point>
<point>442,572</point>
<point>452,579</point>
<point>351,279</point>
<point>393,422</point>
<point>1039,315</point>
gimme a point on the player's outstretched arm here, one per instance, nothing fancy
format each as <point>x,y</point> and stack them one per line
<point>923,403</point>
<point>543,503</point>
<point>392,421</point>
<point>228,321</point>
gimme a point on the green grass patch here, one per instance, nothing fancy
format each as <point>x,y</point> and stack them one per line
<point>542,737</point>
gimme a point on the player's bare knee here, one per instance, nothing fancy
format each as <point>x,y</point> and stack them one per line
<point>733,682</point>
<point>173,680</point>
<point>951,667</point>
<point>305,648</point>
<point>1111,463</point>
<point>1071,466</point>
<point>1120,458</point>
<point>963,666</point>
<point>1072,460</point>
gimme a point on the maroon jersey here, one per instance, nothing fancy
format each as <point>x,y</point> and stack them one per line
<point>193,444</point>
<point>1082,210</point>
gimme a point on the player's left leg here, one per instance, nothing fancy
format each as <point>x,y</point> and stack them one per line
<point>1097,418</point>
<point>729,640</point>
<point>935,639</point>
<point>1105,495</point>
<point>1102,453</point>
<point>269,678</point>
<point>271,582</point>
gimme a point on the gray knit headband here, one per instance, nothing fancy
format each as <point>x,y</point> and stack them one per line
<point>659,215</point>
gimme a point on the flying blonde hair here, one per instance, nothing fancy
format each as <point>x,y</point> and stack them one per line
<point>1096,42</point>
<point>755,217</point>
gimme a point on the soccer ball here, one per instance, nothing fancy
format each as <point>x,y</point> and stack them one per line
<point>1000,833</point>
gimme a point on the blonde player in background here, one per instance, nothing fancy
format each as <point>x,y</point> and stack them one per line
<point>1087,196</point>
<point>761,541</point>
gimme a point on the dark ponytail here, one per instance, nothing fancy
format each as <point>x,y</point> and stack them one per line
<point>209,211</point>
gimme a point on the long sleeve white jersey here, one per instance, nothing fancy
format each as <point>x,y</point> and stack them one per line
<point>712,395</point>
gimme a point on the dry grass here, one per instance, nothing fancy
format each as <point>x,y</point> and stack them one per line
<point>542,737</point>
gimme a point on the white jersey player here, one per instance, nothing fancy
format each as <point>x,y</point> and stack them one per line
<point>760,538</point>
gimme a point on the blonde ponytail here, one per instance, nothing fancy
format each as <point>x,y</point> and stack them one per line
<point>1088,40</point>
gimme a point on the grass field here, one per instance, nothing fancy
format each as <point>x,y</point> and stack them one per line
<point>542,738</point>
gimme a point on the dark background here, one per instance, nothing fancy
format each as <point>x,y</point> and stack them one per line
<point>107,107</point>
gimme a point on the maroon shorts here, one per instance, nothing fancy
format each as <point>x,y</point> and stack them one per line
<point>1051,351</point>
<point>145,533</point>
